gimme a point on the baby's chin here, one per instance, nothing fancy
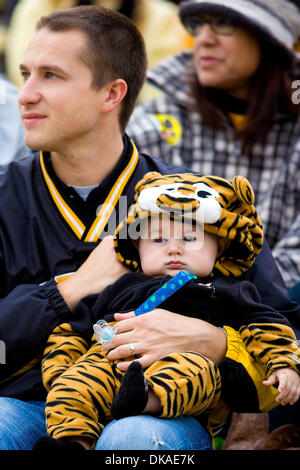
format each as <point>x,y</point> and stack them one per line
<point>173,272</point>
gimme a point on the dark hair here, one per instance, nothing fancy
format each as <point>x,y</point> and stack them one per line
<point>271,93</point>
<point>115,48</point>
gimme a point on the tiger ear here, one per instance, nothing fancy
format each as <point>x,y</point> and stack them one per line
<point>243,190</point>
<point>148,176</point>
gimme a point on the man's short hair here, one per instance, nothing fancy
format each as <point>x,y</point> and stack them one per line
<point>115,48</point>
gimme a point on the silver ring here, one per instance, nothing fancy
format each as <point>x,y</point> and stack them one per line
<point>132,348</point>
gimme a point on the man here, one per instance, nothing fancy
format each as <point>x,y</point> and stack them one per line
<point>82,72</point>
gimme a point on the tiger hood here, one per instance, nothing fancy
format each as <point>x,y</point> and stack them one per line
<point>223,208</point>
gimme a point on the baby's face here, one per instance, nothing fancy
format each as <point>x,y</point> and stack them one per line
<point>167,247</point>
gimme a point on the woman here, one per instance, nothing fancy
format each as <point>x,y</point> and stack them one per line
<point>228,107</point>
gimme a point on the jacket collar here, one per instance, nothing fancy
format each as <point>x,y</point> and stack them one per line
<point>114,184</point>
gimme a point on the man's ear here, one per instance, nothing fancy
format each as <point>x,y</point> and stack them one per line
<point>115,93</point>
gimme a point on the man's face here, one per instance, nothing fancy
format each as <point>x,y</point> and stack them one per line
<point>59,109</point>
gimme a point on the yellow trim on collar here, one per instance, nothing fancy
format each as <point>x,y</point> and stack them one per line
<point>112,198</point>
<point>107,207</point>
<point>70,217</point>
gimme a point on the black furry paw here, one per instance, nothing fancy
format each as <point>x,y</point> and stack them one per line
<point>133,393</point>
<point>48,443</point>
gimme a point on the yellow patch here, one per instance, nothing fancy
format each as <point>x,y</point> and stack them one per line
<point>170,128</point>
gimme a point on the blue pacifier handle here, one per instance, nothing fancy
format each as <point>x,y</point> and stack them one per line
<point>105,333</point>
<point>165,291</point>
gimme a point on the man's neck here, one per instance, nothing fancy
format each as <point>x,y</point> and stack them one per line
<point>90,165</point>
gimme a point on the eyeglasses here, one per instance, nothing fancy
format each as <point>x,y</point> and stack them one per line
<point>220,26</point>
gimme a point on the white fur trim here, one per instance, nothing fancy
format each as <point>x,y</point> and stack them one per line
<point>209,209</point>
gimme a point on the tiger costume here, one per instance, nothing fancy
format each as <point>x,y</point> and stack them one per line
<point>187,383</point>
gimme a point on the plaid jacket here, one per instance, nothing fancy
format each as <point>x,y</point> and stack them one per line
<point>170,127</point>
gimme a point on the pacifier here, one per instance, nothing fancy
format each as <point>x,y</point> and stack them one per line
<point>104,333</point>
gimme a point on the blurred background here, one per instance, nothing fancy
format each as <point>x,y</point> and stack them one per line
<point>6,9</point>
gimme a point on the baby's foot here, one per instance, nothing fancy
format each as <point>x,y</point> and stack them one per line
<point>133,393</point>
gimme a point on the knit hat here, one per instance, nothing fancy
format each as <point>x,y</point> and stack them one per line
<point>220,207</point>
<point>275,21</point>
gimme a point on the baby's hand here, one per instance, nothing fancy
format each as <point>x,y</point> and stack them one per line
<point>289,385</point>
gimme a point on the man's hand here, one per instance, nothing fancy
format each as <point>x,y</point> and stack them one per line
<point>159,333</point>
<point>101,269</point>
<point>289,385</point>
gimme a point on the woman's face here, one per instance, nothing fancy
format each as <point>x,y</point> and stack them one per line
<point>226,61</point>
